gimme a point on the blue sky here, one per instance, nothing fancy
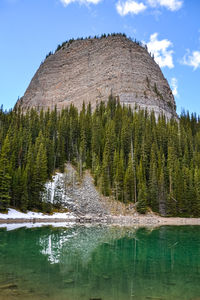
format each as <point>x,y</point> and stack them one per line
<point>29,29</point>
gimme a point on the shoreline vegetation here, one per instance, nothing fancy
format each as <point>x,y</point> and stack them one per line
<point>135,159</point>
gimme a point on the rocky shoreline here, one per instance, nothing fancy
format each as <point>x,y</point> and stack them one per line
<point>85,205</point>
<point>109,220</point>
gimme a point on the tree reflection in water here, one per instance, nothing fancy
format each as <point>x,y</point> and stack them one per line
<point>102,262</point>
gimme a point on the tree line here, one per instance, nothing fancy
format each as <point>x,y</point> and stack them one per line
<point>131,155</point>
<point>96,37</point>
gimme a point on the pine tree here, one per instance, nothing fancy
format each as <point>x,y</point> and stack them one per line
<point>96,169</point>
<point>61,153</point>
<point>196,204</point>
<point>153,185</point>
<point>108,154</point>
<point>142,199</point>
<point>24,194</point>
<point>39,176</point>
<point>126,134</point>
<point>82,151</point>
<point>5,177</point>
<point>161,184</point>
<point>119,176</point>
<point>142,193</point>
<point>131,155</point>
<point>129,182</point>
<point>105,176</point>
<point>171,162</point>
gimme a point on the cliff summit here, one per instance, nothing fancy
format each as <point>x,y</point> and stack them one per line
<point>91,69</point>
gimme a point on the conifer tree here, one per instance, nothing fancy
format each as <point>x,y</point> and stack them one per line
<point>119,176</point>
<point>129,182</point>
<point>142,190</point>
<point>105,177</point>
<point>161,184</point>
<point>142,199</point>
<point>132,156</point>
<point>39,176</point>
<point>5,177</point>
<point>108,154</point>
<point>24,194</point>
<point>153,181</point>
<point>196,204</point>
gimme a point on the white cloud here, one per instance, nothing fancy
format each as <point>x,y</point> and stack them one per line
<point>169,4</point>
<point>162,55</point>
<point>130,7</point>
<point>192,60</point>
<point>67,2</point>
<point>174,85</point>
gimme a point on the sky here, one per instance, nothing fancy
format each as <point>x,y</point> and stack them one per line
<point>29,29</point>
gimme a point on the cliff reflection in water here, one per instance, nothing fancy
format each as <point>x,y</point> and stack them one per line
<point>102,262</point>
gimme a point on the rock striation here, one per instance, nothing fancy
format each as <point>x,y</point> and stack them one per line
<point>90,70</point>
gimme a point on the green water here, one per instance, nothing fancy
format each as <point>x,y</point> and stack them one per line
<point>100,262</point>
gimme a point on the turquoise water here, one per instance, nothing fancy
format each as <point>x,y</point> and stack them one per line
<point>99,262</point>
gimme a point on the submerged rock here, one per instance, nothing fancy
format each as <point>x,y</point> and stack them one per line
<point>69,281</point>
<point>8,286</point>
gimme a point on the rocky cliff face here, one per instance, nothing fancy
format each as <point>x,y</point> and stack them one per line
<point>90,70</point>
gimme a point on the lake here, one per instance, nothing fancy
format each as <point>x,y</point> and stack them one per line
<point>100,262</point>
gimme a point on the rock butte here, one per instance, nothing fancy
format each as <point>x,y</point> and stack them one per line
<point>92,69</point>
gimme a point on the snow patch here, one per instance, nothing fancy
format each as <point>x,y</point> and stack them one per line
<point>56,190</point>
<point>30,215</point>
<point>15,226</point>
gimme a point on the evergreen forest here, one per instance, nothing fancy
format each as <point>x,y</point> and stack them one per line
<point>132,156</point>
